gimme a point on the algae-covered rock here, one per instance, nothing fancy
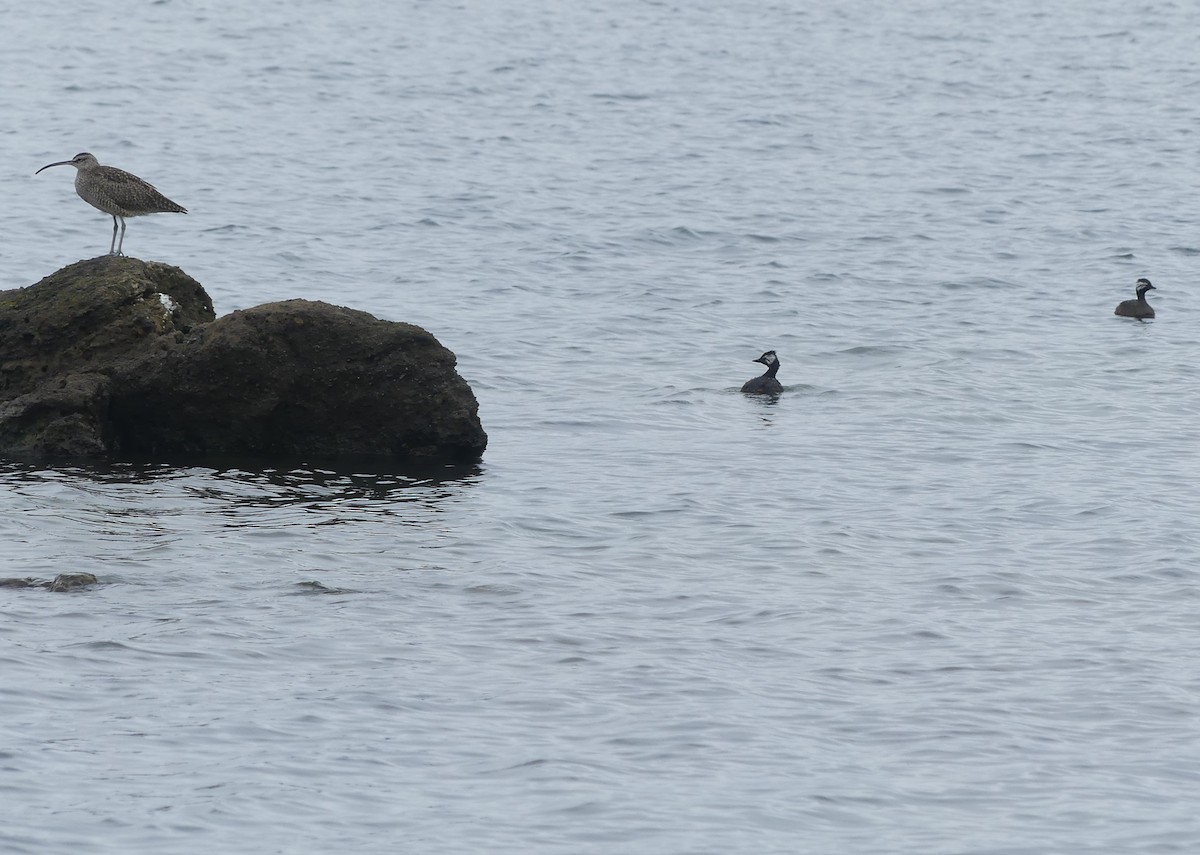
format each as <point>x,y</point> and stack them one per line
<point>116,356</point>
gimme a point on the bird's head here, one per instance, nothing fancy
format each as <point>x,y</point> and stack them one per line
<point>82,160</point>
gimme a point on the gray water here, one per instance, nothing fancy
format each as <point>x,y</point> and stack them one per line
<point>938,597</point>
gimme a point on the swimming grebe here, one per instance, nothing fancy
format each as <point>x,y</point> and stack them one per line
<point>1138,308</point>
<point>766,384</point>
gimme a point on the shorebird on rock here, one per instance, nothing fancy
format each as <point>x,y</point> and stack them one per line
<point>116,192</point>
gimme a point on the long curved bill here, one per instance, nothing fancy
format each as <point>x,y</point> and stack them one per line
<point>60,163</point>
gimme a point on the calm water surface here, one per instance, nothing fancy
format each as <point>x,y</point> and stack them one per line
<point>939,597</point>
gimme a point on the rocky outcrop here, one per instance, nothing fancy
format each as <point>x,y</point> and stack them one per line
<point>118,357</point>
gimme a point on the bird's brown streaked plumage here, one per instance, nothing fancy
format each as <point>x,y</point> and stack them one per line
<point>116,192</point>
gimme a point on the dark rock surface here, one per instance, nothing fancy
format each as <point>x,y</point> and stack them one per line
<point>118,357</point>
<point>60,583</point>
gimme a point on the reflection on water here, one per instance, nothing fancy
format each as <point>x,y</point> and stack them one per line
<point>244,481</point>
<point>126,522</point>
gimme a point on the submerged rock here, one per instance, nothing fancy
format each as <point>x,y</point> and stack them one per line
<point>119,357</point>
<point>61,582</point>
<point>71,581</point>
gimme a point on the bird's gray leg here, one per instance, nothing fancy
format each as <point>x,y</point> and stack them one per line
<point>121,242</point>
<point>112,245</point>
